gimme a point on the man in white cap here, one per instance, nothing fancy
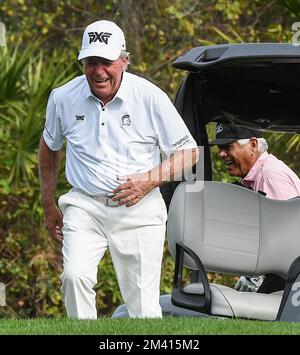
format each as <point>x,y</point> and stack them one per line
<point>115,124</point>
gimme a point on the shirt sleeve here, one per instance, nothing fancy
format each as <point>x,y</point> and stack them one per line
<point>53,134</point>
<point>172,132</point>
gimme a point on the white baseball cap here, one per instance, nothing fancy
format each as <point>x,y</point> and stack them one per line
<point>102,39</point>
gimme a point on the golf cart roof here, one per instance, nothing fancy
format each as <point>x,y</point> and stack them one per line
<point>251,84</point>
<point>204,57</point>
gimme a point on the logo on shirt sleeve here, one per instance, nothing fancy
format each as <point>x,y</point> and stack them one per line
<point>184,140</point>
<point>79,117</point>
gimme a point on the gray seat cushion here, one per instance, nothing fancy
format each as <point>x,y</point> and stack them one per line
<point>228,302</point>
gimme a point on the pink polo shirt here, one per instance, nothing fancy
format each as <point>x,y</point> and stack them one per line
<point>273,177</point>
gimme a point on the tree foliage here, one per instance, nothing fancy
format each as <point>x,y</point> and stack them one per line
<point>43,40</point>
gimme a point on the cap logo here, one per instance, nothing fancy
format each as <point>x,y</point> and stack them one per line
<point>101,37</point>
<point>219,128</point>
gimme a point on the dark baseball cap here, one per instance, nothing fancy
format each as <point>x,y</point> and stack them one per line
<point>226,133</point>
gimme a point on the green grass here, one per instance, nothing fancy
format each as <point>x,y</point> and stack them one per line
<point>166,326</point>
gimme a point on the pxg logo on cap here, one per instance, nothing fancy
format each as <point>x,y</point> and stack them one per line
<point>2,35</point>
<point>102,39</point>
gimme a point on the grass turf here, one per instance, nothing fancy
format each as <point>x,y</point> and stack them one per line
<point>165,326</point>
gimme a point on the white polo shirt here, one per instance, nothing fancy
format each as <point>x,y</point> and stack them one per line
<point>121,138</point>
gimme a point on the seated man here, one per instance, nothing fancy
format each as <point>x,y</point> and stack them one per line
<point>244,152</point>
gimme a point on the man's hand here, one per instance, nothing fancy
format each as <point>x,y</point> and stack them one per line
<point>54,222</point>
<point>134,188</point>
<point>249,284</point>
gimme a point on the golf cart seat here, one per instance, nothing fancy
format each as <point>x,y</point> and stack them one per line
<point>226,228</point>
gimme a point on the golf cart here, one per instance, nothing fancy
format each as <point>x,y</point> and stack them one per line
<point>219,227</point>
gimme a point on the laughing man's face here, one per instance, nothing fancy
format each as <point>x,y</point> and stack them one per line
<point>239,158</point>
<point>104,76</point>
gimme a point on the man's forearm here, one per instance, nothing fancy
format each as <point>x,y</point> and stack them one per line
<point>49,162</point>
<point>136,186</point>
<point>173,168</point>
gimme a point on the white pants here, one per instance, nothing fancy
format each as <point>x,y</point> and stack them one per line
<point>135,237</point>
